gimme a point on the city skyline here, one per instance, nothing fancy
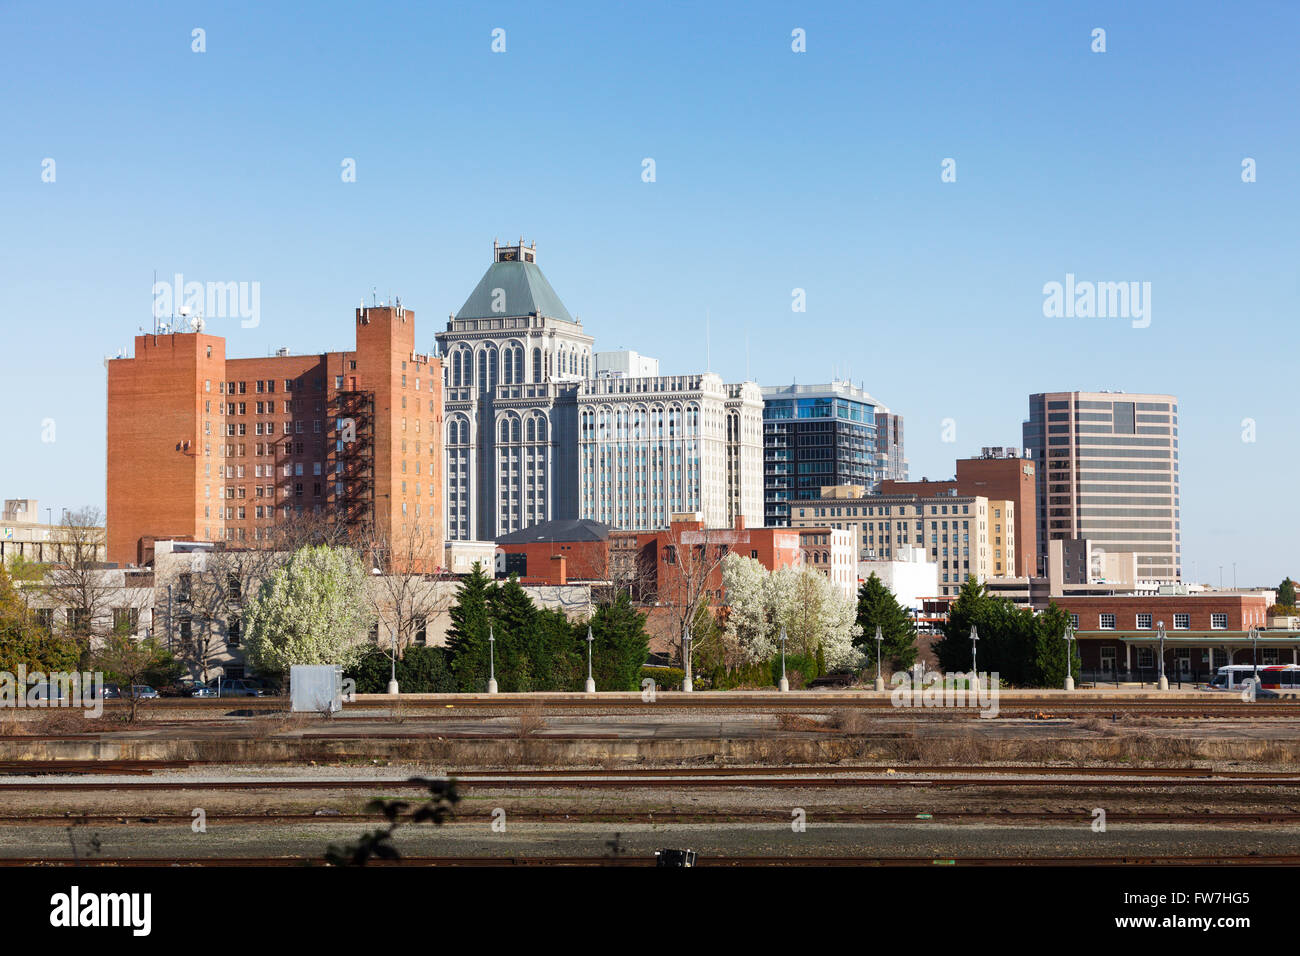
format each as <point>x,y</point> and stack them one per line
<point>825,165</point>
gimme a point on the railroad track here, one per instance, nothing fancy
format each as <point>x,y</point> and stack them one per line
<point>148,767</point>
<point>779,818</point>
<point>596,781</point>
<point>628,860</point>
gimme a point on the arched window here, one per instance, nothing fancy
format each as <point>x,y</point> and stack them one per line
<point>505,430</point>
<point>537,365</point>
<point>541,429</point>
<point>532,431</point>
<point>514,430</point>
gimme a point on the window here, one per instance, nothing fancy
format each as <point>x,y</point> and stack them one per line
<point>233,632</point>
<point>1106,622</point>
<point>421,630</point>
<point>1182,622</point>
<point>1144,622</point>
<point>1219,622</point>
<point>1074,621</point>
<point>126,620</point>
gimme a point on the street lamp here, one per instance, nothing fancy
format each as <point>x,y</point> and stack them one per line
<point>1160,636</point>
<point>591,682</point>
<point>1069,660</point>
<point>785,684</point>
<point>492,662</point>
<point>1254,653</point>
<point>392,672</point>
<point>688,685</point>
<point>880,677</point>
<point>974,666</point>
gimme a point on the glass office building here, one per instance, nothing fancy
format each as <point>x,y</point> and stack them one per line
<point>817,435</point>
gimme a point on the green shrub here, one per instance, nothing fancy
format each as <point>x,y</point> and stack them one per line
<point>665,678</point>
<point>420,670</point>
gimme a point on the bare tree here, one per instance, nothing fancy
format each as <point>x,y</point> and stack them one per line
<point>77,581</point>
<point>408,586</point>
<point>690,578</point>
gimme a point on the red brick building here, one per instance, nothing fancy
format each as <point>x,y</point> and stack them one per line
<point>557,552</point>
<point>1203,631</point>
<point>994,475</point>
<point>685,555</point>
<point>210,448</point>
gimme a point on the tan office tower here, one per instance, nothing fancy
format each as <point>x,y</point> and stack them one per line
<point>1107,471</point>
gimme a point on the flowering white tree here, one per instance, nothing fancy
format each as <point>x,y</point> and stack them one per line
<point>801,600</point>
<point>814,613</point>
<point>311,611</point>
<point>751,623</point>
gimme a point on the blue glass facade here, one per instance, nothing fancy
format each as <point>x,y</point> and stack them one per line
<point>815,436</point>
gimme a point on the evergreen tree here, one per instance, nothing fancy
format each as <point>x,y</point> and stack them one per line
<point>467,638</point>
<point>877,607</point>
<point>521,655</point>
<point>1286,593</point>
<point>971,607</point>
<point>619,646</point>
<point>1049,638</point>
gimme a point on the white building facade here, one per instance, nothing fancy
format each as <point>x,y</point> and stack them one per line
<point>513,357</point>
<point>653,446</point>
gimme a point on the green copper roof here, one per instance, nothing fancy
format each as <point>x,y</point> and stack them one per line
<point>524,290</point>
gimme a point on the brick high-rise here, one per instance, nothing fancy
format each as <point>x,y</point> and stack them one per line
<point>998,474</point>
<point>210,448</point>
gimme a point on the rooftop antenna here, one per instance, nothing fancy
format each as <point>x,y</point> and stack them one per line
<point>708,344</point>
<point>747,378</point>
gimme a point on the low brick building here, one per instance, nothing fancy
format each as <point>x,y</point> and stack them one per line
<point>1119,634</point>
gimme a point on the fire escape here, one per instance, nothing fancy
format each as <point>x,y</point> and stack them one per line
<point>351,457</point>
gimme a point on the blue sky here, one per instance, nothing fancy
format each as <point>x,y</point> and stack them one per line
<point>775,170</point>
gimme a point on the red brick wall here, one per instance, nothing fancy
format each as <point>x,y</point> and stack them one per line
<point>157,400</point>
<point>155,406</point>
<point>1243,610</point>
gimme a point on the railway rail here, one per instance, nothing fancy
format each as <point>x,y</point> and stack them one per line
<point>147,767</point>
<point>732,861</point>
<point>779,818</point>
<point>596,781</point>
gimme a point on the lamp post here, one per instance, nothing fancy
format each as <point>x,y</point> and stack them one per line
<point>392,671</point>
<point>1254,654</point>
<point>974,666</point>
<point>688,685</point>
<point>492,662</point>
<point>785,684</point>
<point>880,677</point>
<point>1069,660</point>
<point>1160,636</point>
<point>591,681</point>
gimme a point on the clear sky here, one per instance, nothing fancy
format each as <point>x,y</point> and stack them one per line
<point>775,170</point>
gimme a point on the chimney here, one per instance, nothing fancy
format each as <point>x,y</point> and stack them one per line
<point>740,522</point>
<point>559,570</point>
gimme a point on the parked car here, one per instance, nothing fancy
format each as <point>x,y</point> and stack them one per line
<point>201,690</point>
<point>232,687</point>
<point>181,687</point>
<point>112,692</point>
<point>265,686</point>
<point>143,692</point>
